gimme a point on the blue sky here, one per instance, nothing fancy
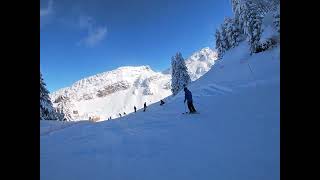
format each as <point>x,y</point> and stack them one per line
<point>85,37</point>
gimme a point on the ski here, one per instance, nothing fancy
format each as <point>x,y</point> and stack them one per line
<point>191,113</point>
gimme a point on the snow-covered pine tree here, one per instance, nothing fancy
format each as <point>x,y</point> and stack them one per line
<point>271,5</point>
<point>261,6</point>
<point>276,16</point>
<point>227,36</point>
<point>218,43</point>
<point>251,24</point>
<point>232,32</point>
<point>180,76</point>
<point>224,38</point>
<point>47,112</point>
<point>227,26</point>
<point>236,8</point>
<point>248,15</point>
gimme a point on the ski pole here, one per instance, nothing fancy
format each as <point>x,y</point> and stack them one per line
<point>185,109</point>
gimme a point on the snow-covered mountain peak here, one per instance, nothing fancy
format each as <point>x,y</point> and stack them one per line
<point>205,54</point>
<point>128,73</point>
<point>134,68</point>
<point>200,62</point>
<point>112,92</point>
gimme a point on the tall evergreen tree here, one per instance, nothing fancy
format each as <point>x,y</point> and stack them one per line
<point>232,32</point>
<point>270,5</point>
<point>218,43</point>
<point>261,6</point>
<point>47,112</point>
<point>227,36</point>
<point>246,24</point>
<point>224,38</point>
<point>180,76</point>
<point>236,7</point>
<point>276,16</point>
<point>250,21</point>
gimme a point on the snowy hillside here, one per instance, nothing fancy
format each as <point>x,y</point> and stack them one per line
<point>110,93</point>
<point>235,136</point>
<point>113,92</point>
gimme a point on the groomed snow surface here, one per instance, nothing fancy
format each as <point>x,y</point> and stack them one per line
<point>235,136</point>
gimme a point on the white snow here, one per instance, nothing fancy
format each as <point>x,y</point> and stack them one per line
<point>268,28</point>
<point>50,126</point>
<point>235,136</point>
<point>200,62</point>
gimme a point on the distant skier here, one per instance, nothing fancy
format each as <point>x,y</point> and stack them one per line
<point>124,113</point>
<point>161,102</point>
<point>144,106</point>
<point>110,117</point>
<point>188,97</point>
<point>120,115</point>
<point>135,109</point>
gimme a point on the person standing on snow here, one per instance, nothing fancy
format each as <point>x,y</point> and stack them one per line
<point>144,106</point>
<point>188,97</point>
<point>135,109</point>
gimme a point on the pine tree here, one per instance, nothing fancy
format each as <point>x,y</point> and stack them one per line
<point>232,32</point>
<point>276,16</point>
<point>246,24</point>
<point>218,43</point>
<point>47,112</point>
<point>261,6</point>
<point>180,76</point>
<point>270,5</point>
<point>250,21</point>
<point>236,8</point>
<point>224,38</point>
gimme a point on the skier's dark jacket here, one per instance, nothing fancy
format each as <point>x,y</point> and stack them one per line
<point>187,95</point>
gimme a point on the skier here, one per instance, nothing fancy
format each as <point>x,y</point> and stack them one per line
<point>119,114</point>
<point>124,113</point>
<point>188,97</point>
<point>144,106</point>
<point>135,109</point>
<point>161,102</point>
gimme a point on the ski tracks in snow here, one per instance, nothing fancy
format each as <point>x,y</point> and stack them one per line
<point>57,128</point>
<point>213,89</point>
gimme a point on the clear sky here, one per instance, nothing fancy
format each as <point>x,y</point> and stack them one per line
<point>86,37</point>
